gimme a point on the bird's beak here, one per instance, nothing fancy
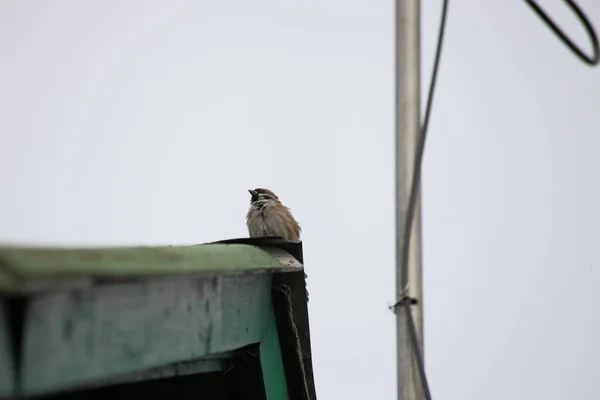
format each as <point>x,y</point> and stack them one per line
<point>252,192</point>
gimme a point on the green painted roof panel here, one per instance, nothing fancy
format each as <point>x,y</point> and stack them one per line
<point>22,262</point>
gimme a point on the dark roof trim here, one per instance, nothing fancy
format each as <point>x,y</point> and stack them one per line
<point>291,314</point>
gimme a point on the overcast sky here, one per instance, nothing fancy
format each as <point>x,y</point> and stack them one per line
<point>130,122</point>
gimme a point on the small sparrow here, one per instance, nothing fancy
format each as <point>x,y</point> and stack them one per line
<point>268,217</point>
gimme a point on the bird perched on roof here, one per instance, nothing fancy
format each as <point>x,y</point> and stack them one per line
<point>268,217</point>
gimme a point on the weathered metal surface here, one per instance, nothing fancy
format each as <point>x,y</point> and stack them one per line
<point>270,242</point>
<point>37,268</point>
<point>82,337</point>
<point>6,280</point>
<point>291,315</point>
<point>209,363</point>
<point>7,377</point>
<point>271,361</point>
<point>97,317</point>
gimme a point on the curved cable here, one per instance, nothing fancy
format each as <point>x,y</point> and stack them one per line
<point>405,301</point>
<point>591,60</point>
<point>416,178</point>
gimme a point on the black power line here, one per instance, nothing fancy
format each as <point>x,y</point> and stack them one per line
<point>405,301</point>
<point>591,60</point>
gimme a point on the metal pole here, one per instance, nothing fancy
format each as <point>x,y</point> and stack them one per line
<point>408,81</point>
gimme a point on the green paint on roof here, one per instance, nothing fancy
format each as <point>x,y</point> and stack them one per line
<point>6,281</point>
<point>205,259</point>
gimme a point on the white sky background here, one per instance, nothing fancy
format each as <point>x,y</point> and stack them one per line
<point>130,122</point>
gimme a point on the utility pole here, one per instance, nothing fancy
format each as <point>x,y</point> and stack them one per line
<point>408,121</point>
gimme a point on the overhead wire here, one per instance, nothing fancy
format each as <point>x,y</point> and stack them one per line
<point>587,25</point>
<point>405,300</point>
